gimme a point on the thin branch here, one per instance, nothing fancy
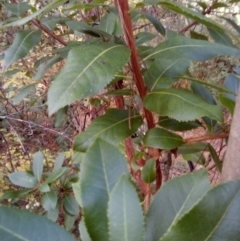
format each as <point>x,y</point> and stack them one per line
<point>34,124</point>
<point>206,138</point>
<point>9,153</point>
<point>48,31</point>
<point>204,12</point>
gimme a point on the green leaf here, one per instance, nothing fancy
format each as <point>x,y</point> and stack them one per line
<point>18,9</point>
<point>185,11</point>
<point>19,225</point>
<point>228,103</point>
<point>203,5</point>
<point>125,215</point>
<point>218,5</point>
<point>233,23</point>
<point>53,214</point>
<point>196,35</point>
<point>163,73</point>
<point>219,36</point>
<point>172,124</point>
<point>163,139</point>
<point>49,201</point>
<point>156,23</point>
<point>59,161</point>
<point>77,192</point>
<point>148,173</point>
<point>56,174</point>
<point>85,28</point>
<point>70,205</point>
<point>69,221</point>
<point>179,195</point>
<point>23,92</point>
<point>113,127</point>
<point>24,41</point>
<point>192,148</point>
<point>191,49</point>
<point>44,10</point>
<point>23,179</point>
<point>203,91</point>
<point>44,187</point>
<point>196,157</point>
<point>88,69</point>
<point>215,157</point>
<point>83,231</point>
<point>143,37</point>
<point>10,73</point>
<point>181,105</point>
<point>38,165</point>
<point>47,64</point>
<point>77,157</point>
<point>13,194</point>
<point>232,83</point>
<point>110,24</point>
<point>61,117</point>
<point>206,84</point>
<point>101,168</point>
<point>51,22</point>
<point>216,215</point>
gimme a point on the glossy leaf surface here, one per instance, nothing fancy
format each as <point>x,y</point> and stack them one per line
<point>191,49</point>
<point>163,73</point>
<point>143,37</point>
<point>179,196</point>
<point>88,69</point>
<point>148,173</point>
<point>29,17</point>
<point>56,174</point>
<point>85,28</point>
<point>101,168</point>
<point>49,201</point>
<point>125,214</point>
<point>18,9</point>
<point>162,139</point>
<point>19,225</point>
<point>204,92</point>
<point>220,37</point>
<point>14,194</point>
<point>180,8</point>
<point>23,179</point>
<point>216,215</point>
<point>38,165</point>
<point>232,83</point>
<point>156,23</point>
<point>113,127</point>
<point>181,105</point>
<point>71,205</point>
<point>59,161</point>
<point>24,41</point>
<point>172,124</point>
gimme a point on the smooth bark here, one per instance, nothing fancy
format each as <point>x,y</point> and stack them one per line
<point>231,164</point>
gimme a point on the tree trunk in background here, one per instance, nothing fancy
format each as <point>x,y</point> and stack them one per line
<point>231,164</point>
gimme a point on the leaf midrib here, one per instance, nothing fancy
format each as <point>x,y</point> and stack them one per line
<point>83,71</point>
<point>103,130</point>
<point>187,101</point>
<point>13,233</point>
<point>178,46</point>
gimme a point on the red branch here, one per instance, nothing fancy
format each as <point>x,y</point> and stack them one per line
<point>48,31</point>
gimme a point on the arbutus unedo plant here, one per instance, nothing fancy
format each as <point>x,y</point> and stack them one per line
<point>137,90</point>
